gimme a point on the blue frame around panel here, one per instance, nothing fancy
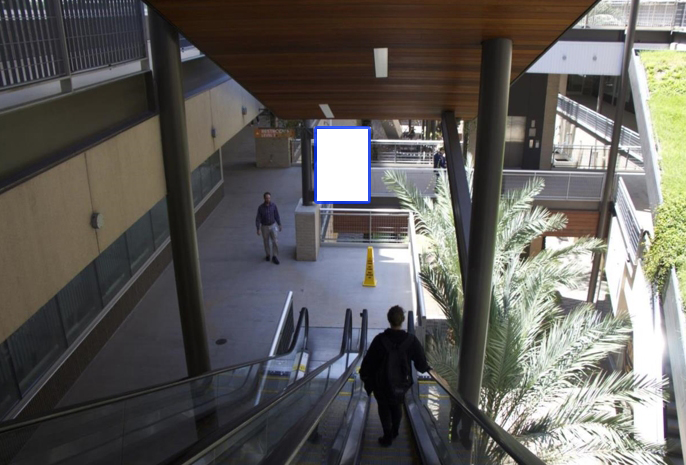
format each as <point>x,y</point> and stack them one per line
<point>369,165</point>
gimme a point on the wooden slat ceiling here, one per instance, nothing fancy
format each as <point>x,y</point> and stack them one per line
<point>295,54</point>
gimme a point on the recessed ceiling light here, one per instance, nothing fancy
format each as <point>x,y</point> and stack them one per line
<point>381,62</point>
<point>326,110</point>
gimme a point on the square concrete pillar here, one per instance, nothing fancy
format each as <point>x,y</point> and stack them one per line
<point>307,232</point>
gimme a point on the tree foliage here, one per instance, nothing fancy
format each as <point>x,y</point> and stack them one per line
<point>544,379</point>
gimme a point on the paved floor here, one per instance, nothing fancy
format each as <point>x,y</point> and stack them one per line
<point>244,295</point>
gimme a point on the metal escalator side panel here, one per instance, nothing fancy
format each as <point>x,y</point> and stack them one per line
<point>266,425</point>
<point>288,450</point>
<point>150,424</point>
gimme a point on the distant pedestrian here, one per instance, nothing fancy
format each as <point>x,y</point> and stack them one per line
<point>439,160</point>
<point>268,224</point>
<point>386,371</point>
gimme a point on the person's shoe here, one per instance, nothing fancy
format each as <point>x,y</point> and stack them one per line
<point>275,260</point>
<point>267,258</point>
<point>385,442</point>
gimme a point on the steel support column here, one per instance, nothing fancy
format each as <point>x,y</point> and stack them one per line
<point>164,41</point>
<point>610,181</point>
<point>459,189</point>
<point>306,162</point>
<point>494,92</point>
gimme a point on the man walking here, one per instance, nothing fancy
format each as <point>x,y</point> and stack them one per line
<point>439,161</point>
<point>267,221</point>
<point>386,371</point>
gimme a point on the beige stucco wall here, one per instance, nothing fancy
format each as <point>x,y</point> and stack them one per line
<point>45,240</point>
<point>126,178</point>
<point>45,233</point>
<point>199,128</point>
<point>227,100</point>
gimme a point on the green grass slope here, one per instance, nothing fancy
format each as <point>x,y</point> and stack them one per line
<point>666,72</point>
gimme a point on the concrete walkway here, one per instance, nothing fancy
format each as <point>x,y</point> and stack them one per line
<point>244,295</point>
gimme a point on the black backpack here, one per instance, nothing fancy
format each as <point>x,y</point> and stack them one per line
<point>395,374</point>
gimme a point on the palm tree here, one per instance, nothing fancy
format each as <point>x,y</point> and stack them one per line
<point>544,376</point>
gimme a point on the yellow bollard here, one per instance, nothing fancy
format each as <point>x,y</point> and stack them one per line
<point>369,278</point>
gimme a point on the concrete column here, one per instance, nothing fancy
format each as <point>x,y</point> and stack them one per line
<point>494,92</point>
<point>563,84</point>
<point>164,41</point>
<point>549,122</point>
<point>601,89</point>
<point>306,159</point>
<point>307,232</point>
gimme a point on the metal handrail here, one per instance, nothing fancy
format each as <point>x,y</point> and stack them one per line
<point>520,453</point>
<point>597,123</point>
<point>412,404</point>
<point>290,444</point>
<point>628,222</point>
<point>406,142</point>
<point>303,321</point>
<point>416,267</point>
<point>201,448</point>
<point>287,309</point>
<point>365,210</point>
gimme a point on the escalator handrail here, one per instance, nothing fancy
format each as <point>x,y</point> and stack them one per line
<point>518,451</point>
<point>303,324</point>
<point>290,444</point>
<point>200,448</point>
<point>425,446</point>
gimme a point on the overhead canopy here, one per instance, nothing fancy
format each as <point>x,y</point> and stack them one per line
<point>294,55</point>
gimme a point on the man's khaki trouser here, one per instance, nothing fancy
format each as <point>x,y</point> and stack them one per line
<point>267,232</point>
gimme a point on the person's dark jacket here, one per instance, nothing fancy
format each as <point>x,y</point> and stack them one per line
<point>373,360</point>
<point>437,160</point>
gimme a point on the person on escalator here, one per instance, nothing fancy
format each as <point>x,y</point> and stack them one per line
<point>386,371</point>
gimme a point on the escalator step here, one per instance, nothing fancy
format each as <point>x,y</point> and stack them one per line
<point>403,450</point>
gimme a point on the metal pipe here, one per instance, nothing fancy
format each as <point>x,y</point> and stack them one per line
<point>603,219</point>
<point>459,189</point>
<point>177,172</point>
<point>494,92</point>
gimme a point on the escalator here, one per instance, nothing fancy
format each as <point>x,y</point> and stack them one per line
<point>271,411</point>
<point>343,427</point>
<point>162,423</point>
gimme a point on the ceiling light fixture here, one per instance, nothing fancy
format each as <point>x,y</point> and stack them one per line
<point>381,62</point>
<point>326,110</point>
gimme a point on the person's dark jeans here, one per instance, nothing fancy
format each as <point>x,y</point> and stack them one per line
<point>390,415</point>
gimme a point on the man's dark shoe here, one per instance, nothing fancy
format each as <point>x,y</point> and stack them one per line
<point>385,442</point>
<point>275,260</point>
<point>268,258</point>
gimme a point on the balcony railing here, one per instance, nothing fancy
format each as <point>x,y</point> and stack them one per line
<point>651,15</point>
<point>559,185</point>
<point>405,151</point>
<point>56,38</point>
<point>628,222</point>
<point>362,226</point>
<point>594,157</point>
<point>600,125</point>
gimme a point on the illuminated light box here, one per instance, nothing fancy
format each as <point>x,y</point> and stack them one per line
<point>342,164</point>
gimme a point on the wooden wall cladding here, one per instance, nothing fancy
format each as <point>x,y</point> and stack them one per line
<point>294,55</point>
<point>579,224</point>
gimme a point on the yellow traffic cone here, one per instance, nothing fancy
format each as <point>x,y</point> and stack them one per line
<point>369,278</point>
